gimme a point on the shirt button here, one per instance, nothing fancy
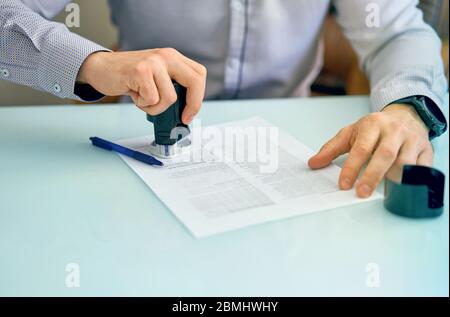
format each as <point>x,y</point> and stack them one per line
<point>57,88</point>
<point>5,73</point>
<point>233,63</point>
<point>238,6</point>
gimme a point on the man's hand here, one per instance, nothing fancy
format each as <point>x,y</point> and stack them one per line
<point>146,76</point>
<point>389,139</point>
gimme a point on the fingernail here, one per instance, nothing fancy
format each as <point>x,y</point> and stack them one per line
<point>346,184</point>
<point>187,119</point>
<point>364,191</point>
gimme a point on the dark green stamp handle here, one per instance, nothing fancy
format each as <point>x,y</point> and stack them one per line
<point>165,122</point>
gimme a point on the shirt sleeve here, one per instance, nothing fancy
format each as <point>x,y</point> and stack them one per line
<point>40,53</point>
<point>398,51</point>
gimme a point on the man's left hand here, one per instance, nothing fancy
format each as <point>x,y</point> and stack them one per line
<point>388,139</point>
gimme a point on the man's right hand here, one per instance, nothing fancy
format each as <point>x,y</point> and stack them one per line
<point>146,76</point>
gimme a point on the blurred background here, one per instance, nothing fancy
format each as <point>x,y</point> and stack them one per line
<point>340,74</point>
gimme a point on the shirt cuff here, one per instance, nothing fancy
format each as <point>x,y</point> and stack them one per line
<point>410,82</point>
<point>60,60</point>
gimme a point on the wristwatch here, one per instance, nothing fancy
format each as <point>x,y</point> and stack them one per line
<point>429,112</point>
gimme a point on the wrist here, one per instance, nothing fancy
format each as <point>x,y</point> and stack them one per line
<point>429,113</point>
<point>400,106</point>
<point>89,67</point>
<point>407,110</point>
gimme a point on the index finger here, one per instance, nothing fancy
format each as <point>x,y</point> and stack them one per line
<point>195,85</point>
<point>338,145</point>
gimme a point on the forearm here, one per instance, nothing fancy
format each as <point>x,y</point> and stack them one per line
<point>39,53</point>
<point>408,65</point>
<point>401,56</point>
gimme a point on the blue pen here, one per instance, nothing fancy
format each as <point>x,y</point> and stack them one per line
<point>145,158</point>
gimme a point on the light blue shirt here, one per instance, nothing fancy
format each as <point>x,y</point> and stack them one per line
<point>251,48</point>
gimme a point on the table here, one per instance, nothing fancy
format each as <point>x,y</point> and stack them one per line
<point>71,213</point>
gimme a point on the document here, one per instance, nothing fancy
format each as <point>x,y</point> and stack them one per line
<point>240,174</point>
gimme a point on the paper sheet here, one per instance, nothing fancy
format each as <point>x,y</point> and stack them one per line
<point>222,192</point>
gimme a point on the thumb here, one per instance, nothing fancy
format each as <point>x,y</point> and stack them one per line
<point>338,145</point>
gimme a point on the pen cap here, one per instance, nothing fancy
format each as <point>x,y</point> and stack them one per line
<point>168,125</point>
